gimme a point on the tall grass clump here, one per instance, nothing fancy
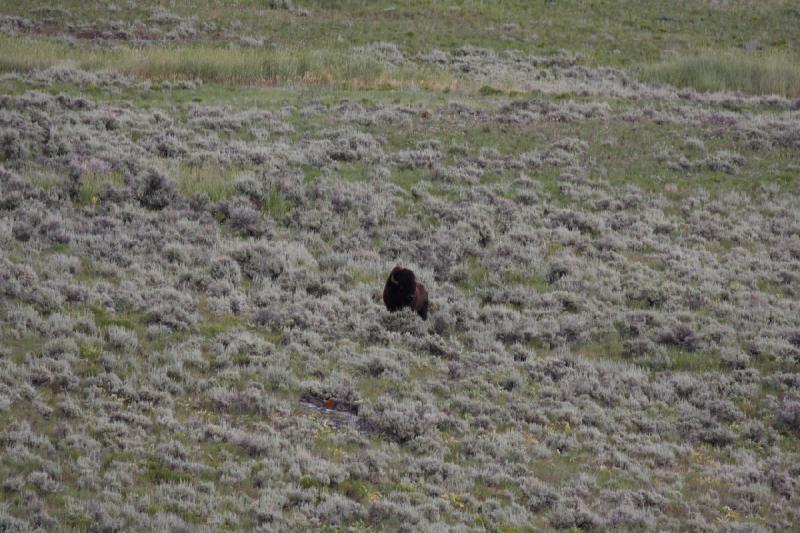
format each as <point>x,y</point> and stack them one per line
<point>194,61</point>
<point>209,63</point>
<point>248,65</point>
<point>216,182</point>
<point>18,54</point>
<point>712,71</point>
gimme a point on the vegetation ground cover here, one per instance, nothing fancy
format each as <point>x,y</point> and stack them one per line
<point>199,205</point>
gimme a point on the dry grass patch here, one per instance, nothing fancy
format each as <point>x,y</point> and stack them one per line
<point>221,65</point>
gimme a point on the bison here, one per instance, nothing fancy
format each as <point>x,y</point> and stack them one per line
<point>403,290</point>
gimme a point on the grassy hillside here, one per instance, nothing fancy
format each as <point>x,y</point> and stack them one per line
<point>200,203</point>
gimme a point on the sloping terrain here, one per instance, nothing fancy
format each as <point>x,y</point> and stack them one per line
<point>191,330</point>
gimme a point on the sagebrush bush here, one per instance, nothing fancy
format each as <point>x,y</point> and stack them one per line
<point>789,413</point>
<point>172,310</point>
<point>155,191</point>
<point>122,339</point>
<point>401,420</point>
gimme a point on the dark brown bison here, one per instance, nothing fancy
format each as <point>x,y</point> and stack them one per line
<point>402,290</point>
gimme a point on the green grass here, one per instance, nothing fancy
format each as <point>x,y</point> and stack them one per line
<point>44,178</point>
<point>211,179</point>
<point>20,347</point>
<point>477,274</point>
<point>158,473</point>
<point>213,324</point>
<point>276,206</point>
<point>364,277</point>
<point>699,361</point>
<point>90,355</point>
<point>407,177</point>
<point>354,489</point>
<point>93,183</point>
<point>714,70</point>
<point>353,172</point>
<point>308,482</point>
<point>604,32</point>
<point>620,152</point>
<point>104,319</point>
<point>531,280</point>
